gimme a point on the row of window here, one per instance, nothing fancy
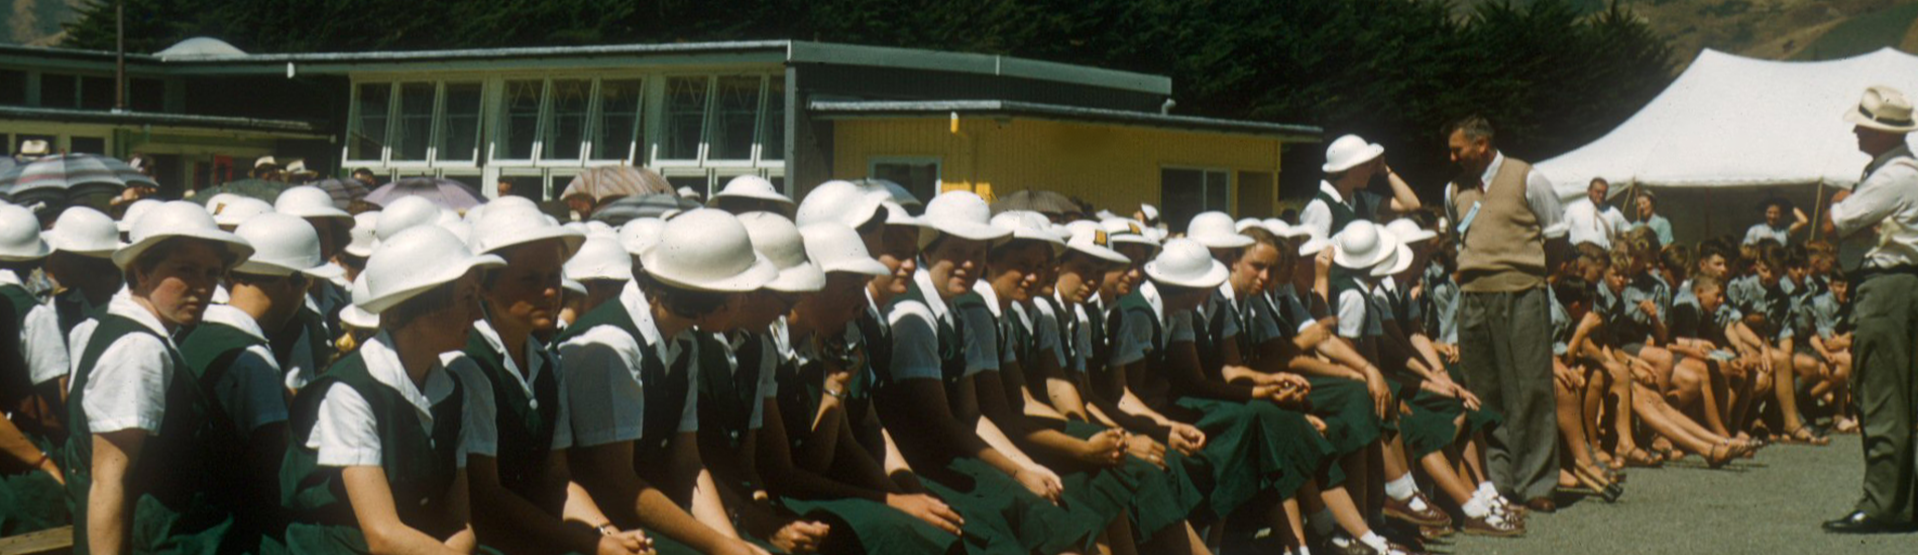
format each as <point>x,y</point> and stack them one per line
<point>86,92</point>
<point>1183,192</point>
<point>736,119</point>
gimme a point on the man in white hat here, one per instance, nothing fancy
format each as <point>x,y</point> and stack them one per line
<point>386,424</point>
<point>632,364</point>
<point>1887,298</point>
<point>131,438</point>
<point>1350,165</point>
<point>231,347</point>
<point>31,354</point>
<point>1506,212</point>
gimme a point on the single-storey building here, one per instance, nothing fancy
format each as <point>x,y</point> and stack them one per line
<point>795,112</point>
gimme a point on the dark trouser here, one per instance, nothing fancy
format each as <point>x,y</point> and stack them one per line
<point>1505,350</point>
<point>1883,362</point>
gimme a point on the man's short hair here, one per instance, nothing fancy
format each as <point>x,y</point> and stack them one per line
<point>1782,203</point>
<point>1703,283</point>
<point>1598,181</point>
<point>1474,127</point>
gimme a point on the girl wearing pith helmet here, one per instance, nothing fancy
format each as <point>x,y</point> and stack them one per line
<point>925,395</point>
<point>143,430</point>
<point>521,426</point>
<point>377,458</point>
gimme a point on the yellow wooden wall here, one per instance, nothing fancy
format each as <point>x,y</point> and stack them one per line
<point>1115,167</point>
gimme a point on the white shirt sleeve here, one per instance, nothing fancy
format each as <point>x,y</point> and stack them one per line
<point>1876,198</point>
<point>1317,216</point>
<point>345,434</point>
<point>42,346</point>
<point>127,388</point>
<point>1351,314</point>
<point>1544,201</point>
<point>481,433</point>
<point>602,380</point>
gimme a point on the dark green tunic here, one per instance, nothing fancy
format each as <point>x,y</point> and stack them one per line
<point>420,466</point>
<point>31,500</point>
<point>178,506</point>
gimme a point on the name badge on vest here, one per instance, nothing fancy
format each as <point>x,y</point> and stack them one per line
<point>1466,222</point>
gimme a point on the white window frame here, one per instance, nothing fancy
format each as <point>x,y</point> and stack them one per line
<point>498,109</point>
<point>440,122</point>
<point>656,140</point>
<point>712,124</point>
<point>353,122</point>
<point>595,114</point>
<point>938,169</point>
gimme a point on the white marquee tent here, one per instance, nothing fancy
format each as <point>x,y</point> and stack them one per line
<point>1733,131</point>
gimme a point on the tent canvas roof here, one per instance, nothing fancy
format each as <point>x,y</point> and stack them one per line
<point>1731,121</point>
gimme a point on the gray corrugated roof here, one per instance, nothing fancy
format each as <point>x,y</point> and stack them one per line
<point>860,108</point>
<point>778,51</point>
<point>152,118</point>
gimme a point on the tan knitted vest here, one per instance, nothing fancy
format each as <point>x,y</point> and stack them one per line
<point>1504,249</point>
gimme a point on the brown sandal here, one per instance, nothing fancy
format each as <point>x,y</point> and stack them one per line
<point>1804,436</point>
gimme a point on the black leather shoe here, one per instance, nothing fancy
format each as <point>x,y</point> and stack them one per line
<point>1862,523</point>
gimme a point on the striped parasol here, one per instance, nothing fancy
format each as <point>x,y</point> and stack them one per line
<point>618,212</point>
<point>64,177</point>
<point>250,187</point>
<point>610,182</point>
<point>1044,202</point>
<point>343,191</point>
<point>441,191</point>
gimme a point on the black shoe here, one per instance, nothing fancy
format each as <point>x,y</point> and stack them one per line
<point>1863,523</point>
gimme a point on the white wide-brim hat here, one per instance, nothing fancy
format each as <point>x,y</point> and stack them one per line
<point>707,250</point>
<point>1127,230</point>
<point>572,286</point>
<point>1885,109</point>
<point>1397,260</point>
<point>839,201</point>
<point>1186,263</point>
<point>1285,230</point>
<point>1348,152</point>
<point>20,235</point>
<point>1408,231</point>
<point>834,247</point>
<point>84,231</point>
<point>774,237</point>
<point>282,245</point>
<point>354,316</point>
<point>1216,230</point>
<point>640,234</point>
<point>750,187</point>
<point>404,213</point>
<point>961,214</point>
<point>600,258</point>
<point>179,219</point>
<point>238,210</point>
<point>1360,246</point>
<point>362,237</point>
<point>1030,226</point>
<point>508,226</point>
<point>1092,240</point>
<point>133,213</point>
<point>414,261</point>
<point>307,201</point>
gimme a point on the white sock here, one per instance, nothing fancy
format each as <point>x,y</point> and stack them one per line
<point>1322,522</point>
<point>1303,550</point>
<point>1402,488</point>
<point>1478,507</point>
<point>1376,542</point>
<point>1488,490</point>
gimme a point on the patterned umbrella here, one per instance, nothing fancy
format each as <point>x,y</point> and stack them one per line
<point>618,212</point>
<point>608,182</point>
<point>64,177</point>
<point>249,187</point>
<point>444,192</point>
<point>343,191</point>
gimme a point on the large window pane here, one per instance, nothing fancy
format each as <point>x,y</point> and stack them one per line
<point>416,122</point>
<point>146,95</point>
<point>96,93</point>
<point>13,87</point>
<point>59,91</point>
<point>618,119</point>
<point>772,141</point>
<point>738,114</point>
<point>87,145</point>
<point>369,132</point>
<point>1185,193</point>
<point>459,135</point>
<point>685,118</point>
<point>568,127</point>
<point>522,119</point>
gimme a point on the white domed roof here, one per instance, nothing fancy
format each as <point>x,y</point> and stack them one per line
<point>200,47</point>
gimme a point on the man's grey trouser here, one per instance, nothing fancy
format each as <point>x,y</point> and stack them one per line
<point>1505,350</point>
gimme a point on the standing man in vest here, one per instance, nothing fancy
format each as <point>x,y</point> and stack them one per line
<point>1886,199</point>
<point>1506,211</point>
<point>1350,164</point>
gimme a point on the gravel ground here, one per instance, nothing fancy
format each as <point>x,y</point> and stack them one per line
<point>1770,504</point>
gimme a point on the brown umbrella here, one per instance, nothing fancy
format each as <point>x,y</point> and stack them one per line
<point>1044,202</point>
<point>610,182</point>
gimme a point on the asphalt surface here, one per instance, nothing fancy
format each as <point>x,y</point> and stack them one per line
<point>1769,504</point>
